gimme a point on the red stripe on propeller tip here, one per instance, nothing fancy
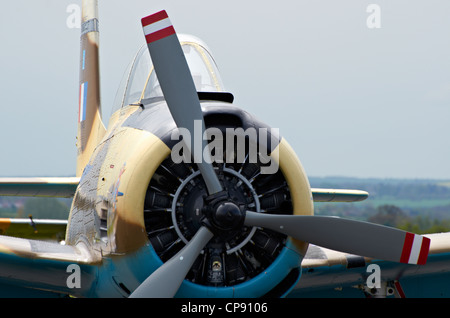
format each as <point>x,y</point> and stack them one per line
<point>407,245</point>
<point>415,249</point>
<point>157,26</point>
<point>424,249</point>
<point>154,18</point>
<point>158,35</point>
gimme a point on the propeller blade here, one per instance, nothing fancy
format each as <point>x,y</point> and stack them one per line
<point>165,281</point>
<point>350,236</point>
<point>179,89</point>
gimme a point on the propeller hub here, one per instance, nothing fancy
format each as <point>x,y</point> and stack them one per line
<point>224,217</point>
<point>227,216</point>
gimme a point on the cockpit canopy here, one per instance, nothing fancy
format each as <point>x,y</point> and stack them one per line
<point>140,82</point>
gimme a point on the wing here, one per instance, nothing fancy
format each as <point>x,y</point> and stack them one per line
<point>338,195</point>
<point>327,273</point>
<point>26,262</point>
<point>32,268</point>
<point>59,187</point>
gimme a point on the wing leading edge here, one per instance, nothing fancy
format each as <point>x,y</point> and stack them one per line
<point>338,195</point>
<point>58,187</point>
<point>65,187</point>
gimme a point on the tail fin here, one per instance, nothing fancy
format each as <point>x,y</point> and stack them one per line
<point>90,126</point>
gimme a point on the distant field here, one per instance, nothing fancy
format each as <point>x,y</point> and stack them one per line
<point>387,191</point>
<point>421,201</point>
<point>444,184</point>
<point>414,204</point>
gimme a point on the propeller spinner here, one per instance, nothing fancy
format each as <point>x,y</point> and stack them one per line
<point>221,214</point>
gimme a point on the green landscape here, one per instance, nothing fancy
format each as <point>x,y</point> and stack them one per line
<point>419,206</point>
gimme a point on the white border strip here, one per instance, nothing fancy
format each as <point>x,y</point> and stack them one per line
<point>415,249</point>
<point>157,26</point>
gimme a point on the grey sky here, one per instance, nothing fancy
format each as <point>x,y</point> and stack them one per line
<point>352,101</point>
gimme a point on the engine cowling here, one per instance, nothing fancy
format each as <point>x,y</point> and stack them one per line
<point>149,207</point>
<point>239,261</point>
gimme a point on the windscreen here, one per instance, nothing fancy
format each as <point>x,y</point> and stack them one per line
<point>140,81</point>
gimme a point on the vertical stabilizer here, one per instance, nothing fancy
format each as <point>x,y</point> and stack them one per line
<point>90,126</point>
